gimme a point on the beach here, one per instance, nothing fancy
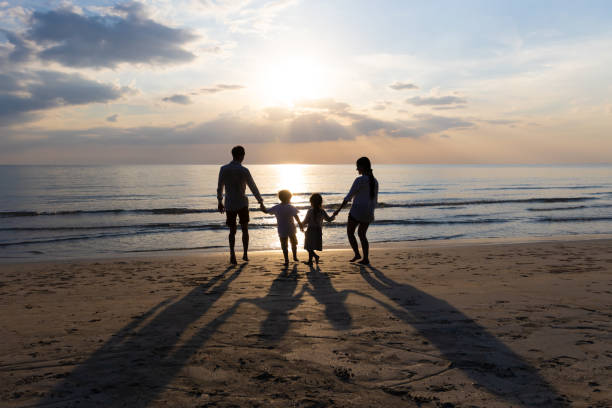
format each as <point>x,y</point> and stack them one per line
<point>458,325</point>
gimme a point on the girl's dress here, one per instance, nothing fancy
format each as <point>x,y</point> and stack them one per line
<point>313,240</point>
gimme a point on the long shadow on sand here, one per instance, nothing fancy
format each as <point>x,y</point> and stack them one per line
<point>141,359</point>
<point>467,345</point>
<point>278,302</point>
<point>325,293</point>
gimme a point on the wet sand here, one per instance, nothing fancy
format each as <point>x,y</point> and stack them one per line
<point>521,325</point>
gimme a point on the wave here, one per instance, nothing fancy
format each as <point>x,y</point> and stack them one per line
<point>578,207</point>
<point>451,203</point>
<point>175,249</point>
<point>573,219</point>
<point>454,203</point>
<point>98,232</point>
<point>538,188</point>
<point>155,211</point>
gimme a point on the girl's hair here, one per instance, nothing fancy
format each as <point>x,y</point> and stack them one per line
<point>284,196</point>
<point>365,164</point>
<point>316,201</point>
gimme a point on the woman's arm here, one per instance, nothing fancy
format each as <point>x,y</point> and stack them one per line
<point>326,217</point>
<point>354,189</point>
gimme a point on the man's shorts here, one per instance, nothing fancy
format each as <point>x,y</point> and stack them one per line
<point>243,217</point>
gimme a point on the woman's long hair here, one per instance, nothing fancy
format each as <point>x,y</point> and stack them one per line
<point>365,164</point>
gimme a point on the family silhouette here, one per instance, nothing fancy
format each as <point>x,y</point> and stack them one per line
<point>232,200</point>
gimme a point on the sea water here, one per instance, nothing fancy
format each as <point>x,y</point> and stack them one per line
<point>68,212</point>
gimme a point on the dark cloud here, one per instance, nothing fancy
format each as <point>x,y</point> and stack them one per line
<point>398,86</point>
<point>180,99</point>
<point>23,94</point>
<point>221,88</point>
<point>282,125</point>
<point>435,100</point>
<point>112,118</point>
<point>107,40</point>
<point>20,50</point>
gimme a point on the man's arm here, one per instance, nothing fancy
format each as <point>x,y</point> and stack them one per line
<point>220,192</point>
<point>253,187</point>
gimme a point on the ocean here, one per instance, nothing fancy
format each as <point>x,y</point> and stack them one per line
<point>72,212</point>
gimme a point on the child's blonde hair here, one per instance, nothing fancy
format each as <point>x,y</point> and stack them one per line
<point>284,196</point>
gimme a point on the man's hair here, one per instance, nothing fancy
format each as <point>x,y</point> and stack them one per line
<point>284,196</point>
<point>238,152</point>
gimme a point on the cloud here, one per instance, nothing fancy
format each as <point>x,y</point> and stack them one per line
<point>420,125</point>
<point>382,105</point>
<point>278,113</point>
<point>221,88</point>
<point>23,94</point>
<point>112,118</point>
<point>126,36</point>
<point>435,100</point>
<point>328,104</point>
<point>331,122</point>
<point>177,98</point>
<point>258,19</point>
<point>449,107</point>
<point>20,49</point>
<point>316,127</point>
<point>499,121</point>
<point>398,86</point>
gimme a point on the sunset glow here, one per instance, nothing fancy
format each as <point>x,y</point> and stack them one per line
<point>305,81</point>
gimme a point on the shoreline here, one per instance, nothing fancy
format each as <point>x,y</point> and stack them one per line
<point>424,243</point>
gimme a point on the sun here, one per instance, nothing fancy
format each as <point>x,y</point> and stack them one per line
<point>291,177</point>
<point>291,79</point>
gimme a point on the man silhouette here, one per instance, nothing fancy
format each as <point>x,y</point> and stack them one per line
<point>234,177</point>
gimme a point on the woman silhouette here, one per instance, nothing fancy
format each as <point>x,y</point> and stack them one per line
<point>364,193</point>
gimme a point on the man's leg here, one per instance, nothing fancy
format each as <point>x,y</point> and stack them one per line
<point>243,215</point>
<point>232,243</point>
<point>245,241</point>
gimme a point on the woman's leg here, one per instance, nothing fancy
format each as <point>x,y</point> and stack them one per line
<point>350,231</point>
<point>365,245</point>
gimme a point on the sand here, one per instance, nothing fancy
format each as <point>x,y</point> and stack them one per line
<point>503,325</point>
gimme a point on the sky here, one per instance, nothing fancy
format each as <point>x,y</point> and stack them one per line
<point>182,81</point>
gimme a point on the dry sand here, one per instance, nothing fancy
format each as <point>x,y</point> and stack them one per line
<point>522,325</point>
